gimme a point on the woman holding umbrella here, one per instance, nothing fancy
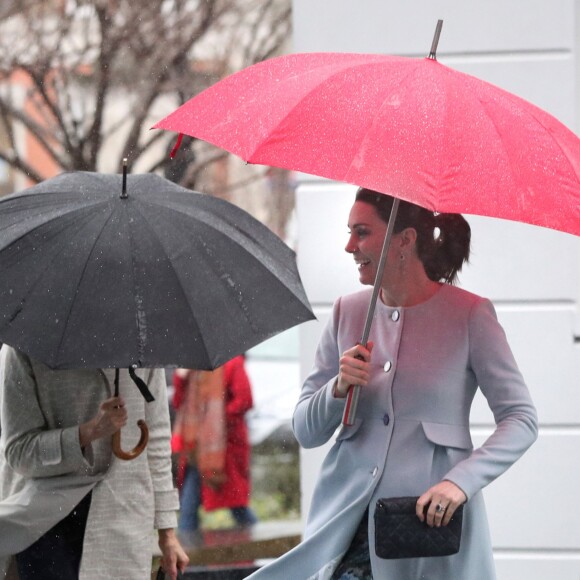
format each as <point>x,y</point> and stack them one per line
<point>69,508</point>
<point>430,348</point>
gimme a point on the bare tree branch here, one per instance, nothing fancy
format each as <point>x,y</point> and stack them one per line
<point>88,78</point>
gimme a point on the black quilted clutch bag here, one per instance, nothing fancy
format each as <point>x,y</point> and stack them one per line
<point>400,534</point>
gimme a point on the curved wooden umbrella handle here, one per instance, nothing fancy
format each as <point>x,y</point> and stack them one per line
<point>138,449</point>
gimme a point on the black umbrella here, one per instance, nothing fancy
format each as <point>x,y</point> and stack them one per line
<point>100,271</point>
<point>160,276</point>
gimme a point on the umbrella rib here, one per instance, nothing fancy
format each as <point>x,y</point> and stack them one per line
<point>245,233</point>
<point>48,265</point>
<point>507,155</point>
<point>43,223</point>
<point>516,101</point>
<point>181,287</point>
<point>275,127</point>
<point>247,157</point>
<point>219,269</point>
<point>141,318</point>
<point>372,126</point>
<point>178,278</point>
<point>84,269</point>
<point>551,134</point>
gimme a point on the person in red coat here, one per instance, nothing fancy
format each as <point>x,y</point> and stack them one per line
<point>204,479</point>
<point>234,493</point>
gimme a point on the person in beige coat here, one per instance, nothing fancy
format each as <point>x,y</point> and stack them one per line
<point>58,474</point>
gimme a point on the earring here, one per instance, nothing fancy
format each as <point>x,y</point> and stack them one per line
<point>402,264</point>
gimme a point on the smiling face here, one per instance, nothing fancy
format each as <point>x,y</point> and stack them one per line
<point>367,233</point>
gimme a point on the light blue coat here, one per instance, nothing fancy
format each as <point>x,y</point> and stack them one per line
<point>411,431</point>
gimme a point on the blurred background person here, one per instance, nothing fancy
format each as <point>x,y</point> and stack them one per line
<point>210,439</point>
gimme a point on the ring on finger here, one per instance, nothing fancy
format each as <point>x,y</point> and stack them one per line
<point>440,508</point>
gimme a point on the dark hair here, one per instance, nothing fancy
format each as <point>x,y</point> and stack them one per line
<point>443,239</point>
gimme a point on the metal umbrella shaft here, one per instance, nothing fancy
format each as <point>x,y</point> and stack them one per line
<point>352,397</point>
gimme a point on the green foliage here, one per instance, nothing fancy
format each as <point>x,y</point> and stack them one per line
<point>276,479</point>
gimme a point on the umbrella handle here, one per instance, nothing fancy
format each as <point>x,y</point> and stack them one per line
<point>138,449</point>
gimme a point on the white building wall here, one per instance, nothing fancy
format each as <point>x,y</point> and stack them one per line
<point>528,47</point>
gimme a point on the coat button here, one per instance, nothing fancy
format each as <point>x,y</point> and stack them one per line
<point>388,365</point>
<point>395,315</point>
<point>386,419</point>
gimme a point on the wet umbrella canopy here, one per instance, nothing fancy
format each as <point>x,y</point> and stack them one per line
<point>410,127</point>
<point>159,276</point>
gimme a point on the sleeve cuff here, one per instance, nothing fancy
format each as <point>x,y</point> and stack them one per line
<point>71,449</point>
<point>166,506</point>
<point>165,520</point>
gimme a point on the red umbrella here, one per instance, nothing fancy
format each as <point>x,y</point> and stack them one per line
<point>410,127</point>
